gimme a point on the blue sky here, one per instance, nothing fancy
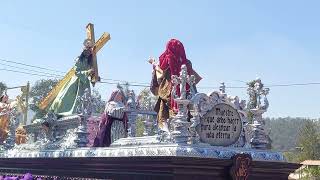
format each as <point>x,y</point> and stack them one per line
<point>226,41</point>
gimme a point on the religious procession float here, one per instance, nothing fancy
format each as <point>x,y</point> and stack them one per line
<point>187,134</point>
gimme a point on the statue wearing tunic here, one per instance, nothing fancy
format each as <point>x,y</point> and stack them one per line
<point>4,117</point>
<point>5,110</point>
<point>170,63</point>
<point>21,135</point>
<point>113,124</point>
<point>66,103</point>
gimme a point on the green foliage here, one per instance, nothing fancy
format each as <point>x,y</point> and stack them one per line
<point>146,101</point>
<point>284,132</point>
<point>3,87</point>
<point>98,103</point>
<point>250,116</point>
<point>38,91</point>
<point>139,126</point>
<point>309,141</point>
<point>311,172</point>
<point>290,156</point>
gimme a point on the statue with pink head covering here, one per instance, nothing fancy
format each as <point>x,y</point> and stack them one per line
<point>114,120</point>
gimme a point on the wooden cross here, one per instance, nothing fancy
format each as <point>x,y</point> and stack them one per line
<point>97,46</point>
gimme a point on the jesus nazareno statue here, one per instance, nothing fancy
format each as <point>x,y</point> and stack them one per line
<point>62,99</point>
<point>65,103</point>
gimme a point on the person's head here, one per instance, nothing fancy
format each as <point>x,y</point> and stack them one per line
<point>175,55</point>
<point>4,98</point>
<point>87,52</point>
<point>45,126</point>
<point>88,43</point>
<point>177,48</point>
<point>117,96</point>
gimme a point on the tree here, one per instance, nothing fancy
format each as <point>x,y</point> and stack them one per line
<point>139,126</point>
<point>3,87</point>
<point>284,132</point>
<point>309,141</point>
<point>39,90</point>
<point>145,101</point>
<point>97,103</point>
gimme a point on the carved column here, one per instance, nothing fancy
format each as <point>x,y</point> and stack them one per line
<point>84,110</point>
<point>11,139</point>
<point>132,114</point>
<point>195,139</point>
<point>260,138</point>
<point>180,122</point>
<point>82,134</point>
<point>148,123</point>
<point>155,128</point>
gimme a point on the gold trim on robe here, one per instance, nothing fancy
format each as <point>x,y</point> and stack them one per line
<point>4,121</point>
<point>45,102</point>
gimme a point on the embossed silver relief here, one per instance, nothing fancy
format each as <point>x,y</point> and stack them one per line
<point>203,103</point>
<point>51,133</point>
<point>60,140</point>
<point>259,137</point>
<point>152,150</point>
<point>132,114</point>
<point>85,111</point>
<point>180,124</point>
<point>13,124</point>
<point>85,103</point>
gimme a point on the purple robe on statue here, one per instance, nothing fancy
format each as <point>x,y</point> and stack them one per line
<point>103,138</point>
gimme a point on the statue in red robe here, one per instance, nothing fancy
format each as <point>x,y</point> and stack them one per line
<point>170,63</point>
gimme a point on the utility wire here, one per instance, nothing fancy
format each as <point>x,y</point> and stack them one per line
<point>50,69</point>
<point>14,62</point>
<point>22,72</point>
<point>228,87</point>
<point>132,83</point>
<point>296,84</point>
<point>137,85</point>
<point>117,80</point>
<point>16,67</point>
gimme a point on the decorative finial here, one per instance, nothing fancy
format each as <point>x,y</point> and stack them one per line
<point>222,88</point>
<point>183,80</point>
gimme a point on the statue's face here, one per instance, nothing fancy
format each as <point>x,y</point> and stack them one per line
<point>257,85</point>
<point>88,43</point>
<point>118,98</point>
<point>243,103</point>
<point>5,99</point>
<point>87,53</point>
<point>45,128</point>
